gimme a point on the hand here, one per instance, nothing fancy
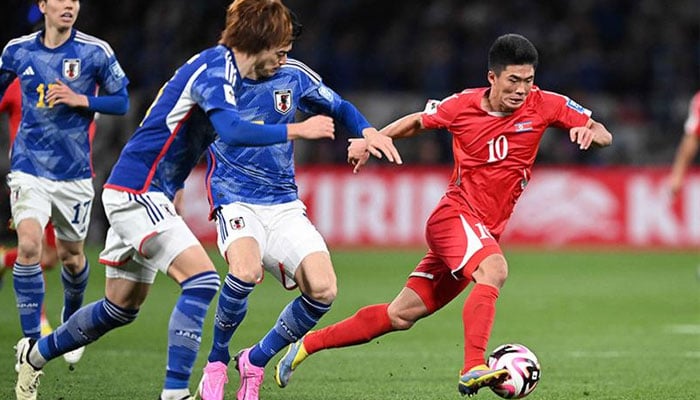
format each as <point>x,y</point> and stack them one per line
<point>582,136</point>
<point>316,127</point>
<point>377,144</point>
<point>60,93</point>
<point>674,184</point>
<point>358,155</point>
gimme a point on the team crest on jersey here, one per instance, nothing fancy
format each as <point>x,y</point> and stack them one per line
<point>71,68</point>
<point>283,101</point>
<point>237,223</point>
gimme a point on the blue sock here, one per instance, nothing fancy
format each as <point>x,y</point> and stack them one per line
<point>85,326</point>
<point>294,322</point>
<point>29,292</point>
<point>232,307</point>
<point>73,290</point>
<point>185,328</point>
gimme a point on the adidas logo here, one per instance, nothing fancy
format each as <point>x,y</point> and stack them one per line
<point>28,71</point>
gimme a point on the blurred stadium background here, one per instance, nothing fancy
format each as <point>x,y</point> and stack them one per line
<point>634,63</point>
<point>607,324</point>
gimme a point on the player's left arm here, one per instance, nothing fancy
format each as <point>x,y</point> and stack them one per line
<point>116,103</point>
<point>592,133</point>
<point>320,99</point>
<point>687,149</point>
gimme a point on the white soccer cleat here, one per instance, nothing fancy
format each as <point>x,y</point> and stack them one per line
<point>27,377</point>
<point>73,356</point>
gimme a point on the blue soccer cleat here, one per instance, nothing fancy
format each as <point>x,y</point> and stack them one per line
<point>291,360</point>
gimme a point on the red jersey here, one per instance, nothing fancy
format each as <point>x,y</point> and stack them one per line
<point>12,105</point>
<point>692,124</point>
<point>494,152</point>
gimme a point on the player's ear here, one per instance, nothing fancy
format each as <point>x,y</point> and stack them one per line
<point>491,76</point>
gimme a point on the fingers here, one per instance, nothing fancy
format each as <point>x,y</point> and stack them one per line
<point>58,92</point>
<point>381,146</point>
<point>376,153</point>
<point>581,136</point>
<point>322,125</point>
<point>357,167</point>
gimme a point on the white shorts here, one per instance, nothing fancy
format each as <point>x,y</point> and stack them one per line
<point>283,231</point>
<point>67,203</point>
<point>144,237</point>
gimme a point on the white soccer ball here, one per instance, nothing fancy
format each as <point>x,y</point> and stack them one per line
<point>523,367</point>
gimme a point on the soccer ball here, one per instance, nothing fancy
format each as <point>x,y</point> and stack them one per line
<point>523,367</point>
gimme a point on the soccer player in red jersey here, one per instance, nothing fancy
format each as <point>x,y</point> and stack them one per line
<point>688,147</point>
<point>496,133</point>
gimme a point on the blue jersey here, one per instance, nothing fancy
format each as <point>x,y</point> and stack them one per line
<point>52,140</point>
<point>176,131</point>
<point>265,175</point>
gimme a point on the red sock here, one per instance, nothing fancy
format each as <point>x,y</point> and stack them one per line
<point>367,323</point>
<point>477,315</point>
<point>10,258</point>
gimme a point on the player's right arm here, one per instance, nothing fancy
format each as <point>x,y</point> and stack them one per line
<point>6,74</point>
<point>406,126</point>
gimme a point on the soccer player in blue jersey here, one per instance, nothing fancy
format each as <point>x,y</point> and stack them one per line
<point>262,224</point>
<point>146,233</point>
<point>60,70</point>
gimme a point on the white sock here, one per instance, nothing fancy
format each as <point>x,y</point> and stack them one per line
<point>174,394</point>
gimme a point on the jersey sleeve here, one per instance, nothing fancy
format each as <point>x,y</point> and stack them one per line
<point>7,70</point>
<point>213,91</point>
<point>692,123</point>
<point>323,100</point>
<point>439,115</point>
<point>112,77</point>
<point>563,112</point>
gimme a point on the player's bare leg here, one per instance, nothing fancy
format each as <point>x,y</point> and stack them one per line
<point>368,323</point>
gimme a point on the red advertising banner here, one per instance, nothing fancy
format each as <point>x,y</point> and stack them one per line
<point>388,206</point>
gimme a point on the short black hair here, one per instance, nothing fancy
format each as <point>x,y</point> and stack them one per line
<point>511,49</point>
<point>297,27</point>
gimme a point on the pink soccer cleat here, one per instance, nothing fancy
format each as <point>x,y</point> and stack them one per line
<point>215,376</point>
<point>251,377</point>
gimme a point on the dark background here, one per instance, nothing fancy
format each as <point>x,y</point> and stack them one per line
<point>634,63</point>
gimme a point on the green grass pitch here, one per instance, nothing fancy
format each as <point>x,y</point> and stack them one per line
<point>604,324</point>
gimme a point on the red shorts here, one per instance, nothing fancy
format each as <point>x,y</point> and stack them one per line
<point>458,242</point>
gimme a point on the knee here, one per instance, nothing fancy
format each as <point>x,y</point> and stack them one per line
<point>400,321</point>
<point>72,260</point>
<point>324,294</point>
<point>29,247</point>
<point>250,272</point>
<point>492,271</point>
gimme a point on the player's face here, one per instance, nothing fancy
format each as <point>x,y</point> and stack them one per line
<point>60,14</point>
<point>270,61</point>
<point>510,88</point>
